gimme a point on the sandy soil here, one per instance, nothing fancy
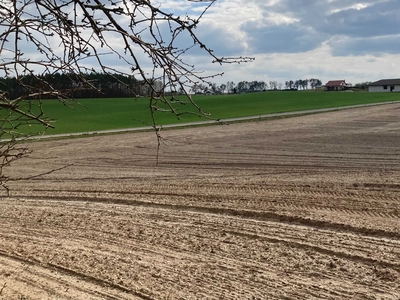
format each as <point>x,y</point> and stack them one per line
<point>299,208</point>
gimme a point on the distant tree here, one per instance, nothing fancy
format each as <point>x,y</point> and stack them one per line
<point>222,88</point>
<point>273,85</point>
<point>214,88</point>
<point>256,86</point>
<point>305,84</point>
<point>289,84</point>
<point>262,85</point>
<point>301,83</point>
<point>253,86</point>
<point>314,83</point>
<point>198,88</point>
<point>242,86</point>
<point>363,85</point>
<point>230,85</point>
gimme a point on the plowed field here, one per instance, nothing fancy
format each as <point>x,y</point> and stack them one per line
<point>299,208</point>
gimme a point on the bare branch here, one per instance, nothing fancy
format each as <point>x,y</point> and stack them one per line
<point>41,39</point>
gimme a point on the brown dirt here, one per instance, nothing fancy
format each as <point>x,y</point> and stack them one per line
<point>299,208</point>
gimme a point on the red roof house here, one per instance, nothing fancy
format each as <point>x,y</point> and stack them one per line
<point>336,85</point>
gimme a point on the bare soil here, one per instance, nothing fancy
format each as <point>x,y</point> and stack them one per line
<point>299,208</point>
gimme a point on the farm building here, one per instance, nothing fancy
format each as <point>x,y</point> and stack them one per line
<point>336,85</point>
<point>385,85</point>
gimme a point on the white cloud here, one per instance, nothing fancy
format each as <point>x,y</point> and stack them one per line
<point>279,19</point>
<point>357,6</point>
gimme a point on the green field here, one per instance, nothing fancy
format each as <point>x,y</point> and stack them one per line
<point>103,114</point>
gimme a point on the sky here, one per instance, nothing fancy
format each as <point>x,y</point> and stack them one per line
<point>348,40</point>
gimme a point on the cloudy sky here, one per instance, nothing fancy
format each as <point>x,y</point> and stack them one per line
<point>297,39</point>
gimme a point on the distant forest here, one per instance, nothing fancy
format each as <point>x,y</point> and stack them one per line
<point>106,86</point>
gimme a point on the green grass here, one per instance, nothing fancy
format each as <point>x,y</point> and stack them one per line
<point>102,114</point>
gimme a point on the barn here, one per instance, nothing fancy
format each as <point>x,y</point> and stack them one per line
<point>385,85</point>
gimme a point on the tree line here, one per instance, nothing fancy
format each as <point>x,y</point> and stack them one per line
<point>97,85</point>
<point>303,83</point>
<point>363,85</point>
<point>255,86</point>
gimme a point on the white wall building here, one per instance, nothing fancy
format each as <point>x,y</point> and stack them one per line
<point>385,85</point>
